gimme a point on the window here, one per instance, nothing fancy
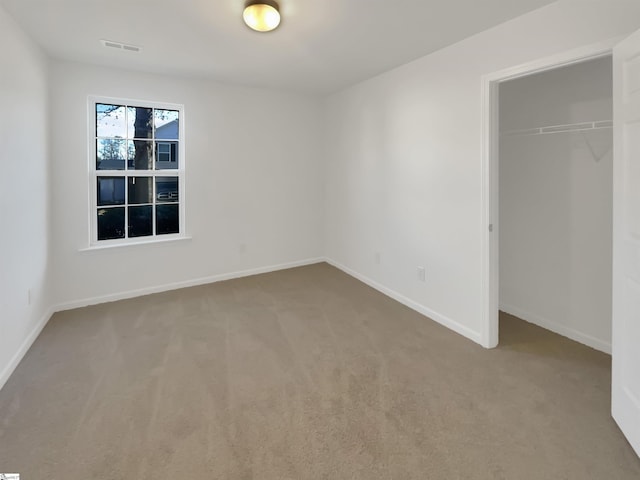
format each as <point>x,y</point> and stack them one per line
<point>166,154</point>
<point>137,171</point>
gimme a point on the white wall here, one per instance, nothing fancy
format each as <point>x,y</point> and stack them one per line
<point>404,159</point>
<point>24,194</point>
<point>253,178</point>
<point>556,202</point>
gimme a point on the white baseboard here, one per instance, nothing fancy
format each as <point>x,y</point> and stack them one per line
<point>24,347</point>
<point>427,312</point>
<point>184,284</point>
<point>555,327</point>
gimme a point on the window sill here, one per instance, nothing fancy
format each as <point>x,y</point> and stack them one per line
<point>155,241</point>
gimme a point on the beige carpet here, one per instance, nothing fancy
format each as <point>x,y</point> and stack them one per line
<point>302,374</point>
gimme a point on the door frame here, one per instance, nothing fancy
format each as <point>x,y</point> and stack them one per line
<point>490,171</point>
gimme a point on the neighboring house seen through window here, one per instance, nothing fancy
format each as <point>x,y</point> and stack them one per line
<point>137,171</point>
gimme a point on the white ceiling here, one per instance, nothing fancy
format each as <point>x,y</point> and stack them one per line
<point>320,47</point>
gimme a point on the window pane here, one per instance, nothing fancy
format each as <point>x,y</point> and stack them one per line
<point>167,219</point>
<point>140,221</point>
<point>110,121</point>
<point>166,189</point>
<point>110,223</point>
<point>166,123</point>
<point>110,191</point>
<point>166,155</point>
<point>110,154</point>
<point>140,122</point>
<point>140,155</point>
<point>140,190</point>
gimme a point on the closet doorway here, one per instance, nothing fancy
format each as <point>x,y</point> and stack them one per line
<point>556,200</point>
<point>625,284</point>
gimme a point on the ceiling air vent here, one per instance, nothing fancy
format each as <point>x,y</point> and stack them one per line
<point>121,46</point>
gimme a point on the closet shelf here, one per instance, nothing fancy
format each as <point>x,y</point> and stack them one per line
<point>574,127</point>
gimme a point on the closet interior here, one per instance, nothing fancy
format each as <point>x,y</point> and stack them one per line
<point>555,196</point>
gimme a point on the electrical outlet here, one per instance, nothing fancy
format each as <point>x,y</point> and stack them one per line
<point>29,296</point>
<point>421,274</point>
<point>242,248</point>
<point>376,257</point>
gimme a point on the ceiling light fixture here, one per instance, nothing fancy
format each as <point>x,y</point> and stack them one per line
<point>261,15</point>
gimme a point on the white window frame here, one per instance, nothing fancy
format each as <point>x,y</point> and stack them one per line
<point>94,173</point>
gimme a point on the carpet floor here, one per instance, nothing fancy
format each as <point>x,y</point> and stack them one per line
<point>302,374</point>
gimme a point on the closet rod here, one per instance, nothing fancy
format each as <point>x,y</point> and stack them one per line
<point>573,127</point>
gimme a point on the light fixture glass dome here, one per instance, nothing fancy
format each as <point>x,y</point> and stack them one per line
<point>262,15</point>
